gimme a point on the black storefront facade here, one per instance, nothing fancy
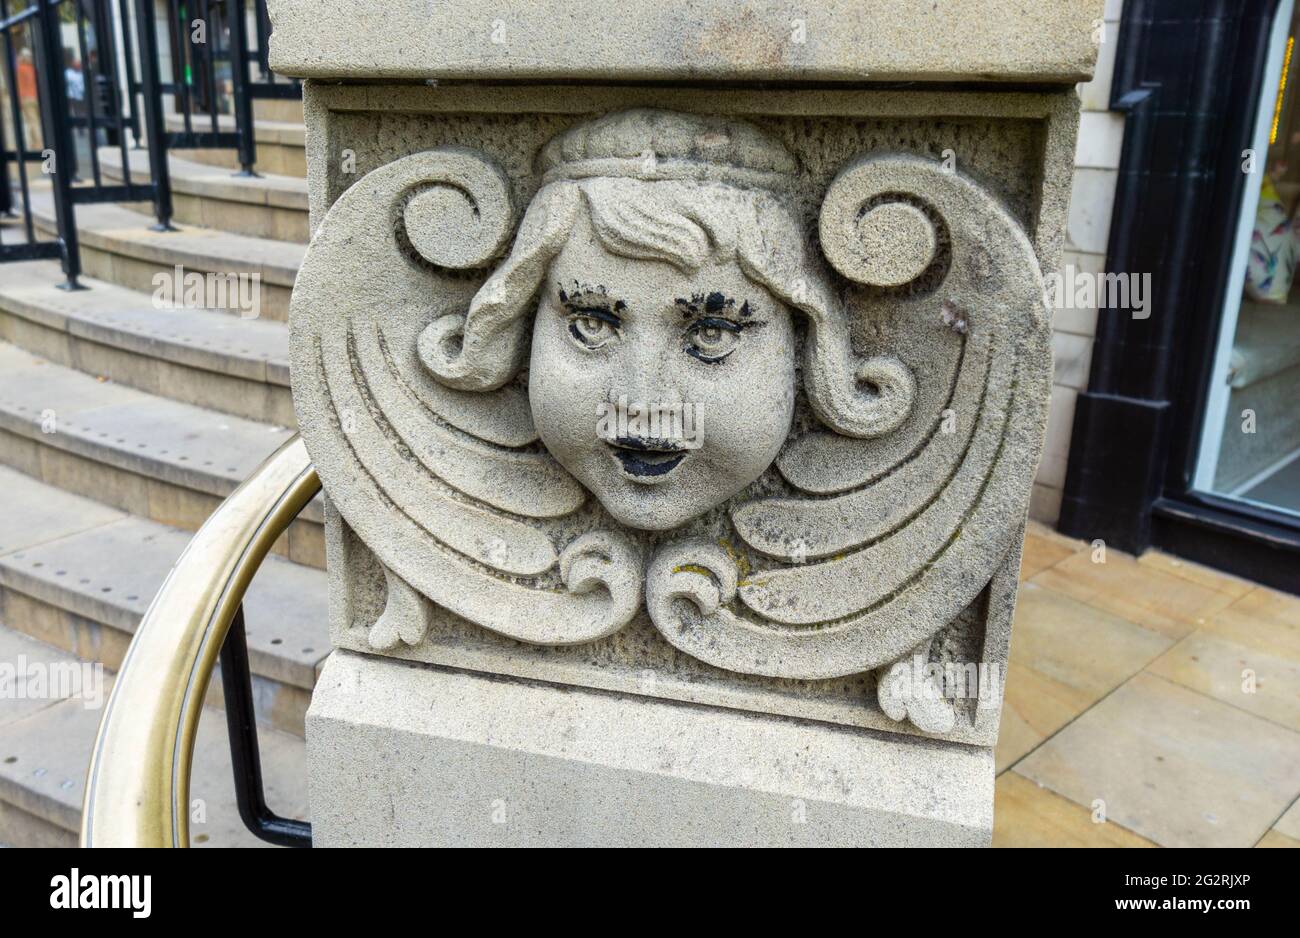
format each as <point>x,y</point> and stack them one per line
<point>1192,78</point>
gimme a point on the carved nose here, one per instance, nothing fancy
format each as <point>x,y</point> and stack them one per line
<point>646,380</point>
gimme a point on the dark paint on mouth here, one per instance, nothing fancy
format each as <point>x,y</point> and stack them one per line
<point>647,458</point>
<point>636,464</point>
<point>647,444</point>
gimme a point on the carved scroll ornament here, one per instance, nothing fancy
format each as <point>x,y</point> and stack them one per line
<point>842,457</point>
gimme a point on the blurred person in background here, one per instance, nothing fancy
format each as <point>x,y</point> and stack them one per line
<point>31,108</point>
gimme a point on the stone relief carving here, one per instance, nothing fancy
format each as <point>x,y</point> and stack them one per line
<point>664,397</point>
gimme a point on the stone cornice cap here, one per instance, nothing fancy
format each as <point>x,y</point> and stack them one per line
<point>772,40</point>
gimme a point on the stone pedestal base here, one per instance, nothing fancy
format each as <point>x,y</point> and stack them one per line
<point>411,755</point>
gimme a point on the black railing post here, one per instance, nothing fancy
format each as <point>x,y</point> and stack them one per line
<point>54,104</point>
<point>87,117</point>
<point>240,86</point>
<point>6,194</point>
<point>107,84</point>
<point>178,35</point>
<point>50,137</point>
<point>128,70</point>
<point>110,80</point>
<point>263,40</point>
<point>100,106</point>
<point>202,56</point>
<point>245,757</point>
<point>155,129</point>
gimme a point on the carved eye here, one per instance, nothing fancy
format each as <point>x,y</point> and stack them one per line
<point>712,340</point>
<point>593,328</point>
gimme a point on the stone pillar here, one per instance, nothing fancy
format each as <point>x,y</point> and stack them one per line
<point>676,374</point>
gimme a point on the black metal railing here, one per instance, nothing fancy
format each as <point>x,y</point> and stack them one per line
<point>208,82</point>
<point>268,84</point>
<point>41,131</point>
<point>245,756</point>
<point>79,75</point>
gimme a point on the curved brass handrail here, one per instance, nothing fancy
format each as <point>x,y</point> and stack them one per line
<point>137,792</point>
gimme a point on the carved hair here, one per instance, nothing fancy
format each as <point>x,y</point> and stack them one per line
<point>675,206</point>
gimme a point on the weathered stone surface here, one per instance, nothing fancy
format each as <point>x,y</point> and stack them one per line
<point>405,756</point>
<point>696,395</point>
<point>661,268</point>
<point>836,40</point>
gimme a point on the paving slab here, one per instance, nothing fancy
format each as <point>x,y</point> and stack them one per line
<point>1140,593</point>
<point>1289,823</point>
<point>1084,648</point>
<point>1041,552</point>
<point>1025,814</point>
<point>1065,656</point>
<point>1278,613</point>
<point>1033,708</point>
<point>1194,572</point>
<point>1236,665</point>
<point>1174,766</point>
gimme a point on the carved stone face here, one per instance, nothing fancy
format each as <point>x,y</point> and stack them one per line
<point>657,285</point>
<point>664,391</point>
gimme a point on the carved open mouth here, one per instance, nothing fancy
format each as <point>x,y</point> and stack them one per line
<point>647,460</point>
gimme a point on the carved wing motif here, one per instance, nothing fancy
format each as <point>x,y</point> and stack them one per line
<point>449,488</point>
<point>880,542</point>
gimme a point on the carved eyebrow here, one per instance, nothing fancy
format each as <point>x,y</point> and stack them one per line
<point>589,299</point>
<point>715,305</point>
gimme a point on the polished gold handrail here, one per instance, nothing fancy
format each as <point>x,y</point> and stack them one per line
<point>137,792</point>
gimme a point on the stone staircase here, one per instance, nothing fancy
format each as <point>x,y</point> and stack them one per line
<point>123,424</point>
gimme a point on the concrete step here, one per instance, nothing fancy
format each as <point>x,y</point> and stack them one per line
<point>284,110</point>
<point>281,145</point>
<point>79,575</point>
<point>198,356</point>
<point>45,745</point>
<point>117,245</point>
<point>156,458</point>
<point>264,206</point>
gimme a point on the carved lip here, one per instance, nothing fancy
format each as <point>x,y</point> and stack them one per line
<point>647,460</point>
